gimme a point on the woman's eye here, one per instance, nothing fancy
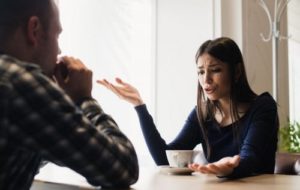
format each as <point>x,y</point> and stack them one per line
<point>217,70</point>
<point>200,72</point>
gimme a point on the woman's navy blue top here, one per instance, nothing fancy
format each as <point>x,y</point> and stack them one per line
<point>256,146</point>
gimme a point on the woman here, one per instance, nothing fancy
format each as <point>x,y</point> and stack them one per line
<point>236,127</point>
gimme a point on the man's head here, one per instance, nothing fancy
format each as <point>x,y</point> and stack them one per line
<point>29,30</point>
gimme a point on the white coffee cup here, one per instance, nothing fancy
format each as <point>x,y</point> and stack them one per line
<point>180,158</point>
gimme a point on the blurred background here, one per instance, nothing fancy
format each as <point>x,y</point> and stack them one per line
<point>152,44</point>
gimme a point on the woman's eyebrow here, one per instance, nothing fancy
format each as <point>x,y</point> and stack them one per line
<point>210,65</point>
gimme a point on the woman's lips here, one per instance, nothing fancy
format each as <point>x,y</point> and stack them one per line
<point>209,90</point>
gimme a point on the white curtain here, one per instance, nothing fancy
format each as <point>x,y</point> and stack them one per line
<point>114,38</point>
<point>294,61</point>
<point>151,44</point>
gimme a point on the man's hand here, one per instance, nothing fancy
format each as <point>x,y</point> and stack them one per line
<point>74,77</point>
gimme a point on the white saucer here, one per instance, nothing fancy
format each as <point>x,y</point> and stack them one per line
<point>174,170</point>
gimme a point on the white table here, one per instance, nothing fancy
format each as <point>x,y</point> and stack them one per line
<point>153,179</point>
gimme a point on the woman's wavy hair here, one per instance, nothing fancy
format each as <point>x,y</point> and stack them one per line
<point>225,50</point>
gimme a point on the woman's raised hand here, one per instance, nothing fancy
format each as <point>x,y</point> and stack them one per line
<point>124,90</point>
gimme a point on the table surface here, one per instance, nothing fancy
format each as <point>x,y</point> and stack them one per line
<point>54,177</point>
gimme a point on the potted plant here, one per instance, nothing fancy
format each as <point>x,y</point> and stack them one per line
<point>289,138</point>
<point>289,149</point>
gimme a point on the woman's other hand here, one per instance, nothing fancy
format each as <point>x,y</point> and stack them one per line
<point>223,167</point>
<point>124,90</point>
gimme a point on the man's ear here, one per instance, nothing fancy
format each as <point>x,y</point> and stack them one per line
<point>34,30</point>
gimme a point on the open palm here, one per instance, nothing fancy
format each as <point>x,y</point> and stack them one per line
<point>222,167</point>
<point>123,90</point>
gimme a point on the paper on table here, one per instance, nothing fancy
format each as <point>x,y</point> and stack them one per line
<point>62,175</point>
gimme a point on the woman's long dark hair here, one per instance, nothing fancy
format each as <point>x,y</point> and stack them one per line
<point>227,51</point>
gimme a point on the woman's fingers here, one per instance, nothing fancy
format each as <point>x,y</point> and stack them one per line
<point>123,93</point>
<point>199,168</point>
<point>193,166</point>
<point>126,86</point>
<point>220,168</point>
<point>103,82</point>
<point>118,80</point>
<point>213,168</point>
<point>115,90</point>
<point>109,86</point>
<point>122,86</point>
<point>235,160</point>
<point>119,91</point>
<point>123,90</point>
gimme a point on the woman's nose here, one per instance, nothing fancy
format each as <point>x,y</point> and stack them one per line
<point>207,78</point>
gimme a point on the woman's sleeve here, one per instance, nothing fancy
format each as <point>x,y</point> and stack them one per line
<point>260,141</point>
<point>188,137</point>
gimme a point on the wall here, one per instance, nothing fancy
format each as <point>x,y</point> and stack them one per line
<point>244,21</point>
<point>181,27</point>
<point>228,20</point>
<point>180,30</point>
<point>258,54</point>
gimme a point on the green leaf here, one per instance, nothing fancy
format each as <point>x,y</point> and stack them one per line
<point>289,137</point>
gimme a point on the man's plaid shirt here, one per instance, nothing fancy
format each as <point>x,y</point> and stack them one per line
<point>38,121</point>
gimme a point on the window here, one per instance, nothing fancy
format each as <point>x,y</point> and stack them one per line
<point>114,38</point>
<point>294,61</point>
<point>149,43</point>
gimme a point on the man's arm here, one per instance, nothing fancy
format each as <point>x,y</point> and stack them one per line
<point>45,120</point>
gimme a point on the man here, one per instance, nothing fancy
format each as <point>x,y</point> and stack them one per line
<point>46,109</point>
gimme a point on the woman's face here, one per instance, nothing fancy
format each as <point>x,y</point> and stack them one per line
<point>214,77</point>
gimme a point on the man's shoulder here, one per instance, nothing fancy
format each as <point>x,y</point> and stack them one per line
<point>13,65</point>
<point>6,60</point>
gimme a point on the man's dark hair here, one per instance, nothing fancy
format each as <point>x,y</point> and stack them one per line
<point>15,13</point>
